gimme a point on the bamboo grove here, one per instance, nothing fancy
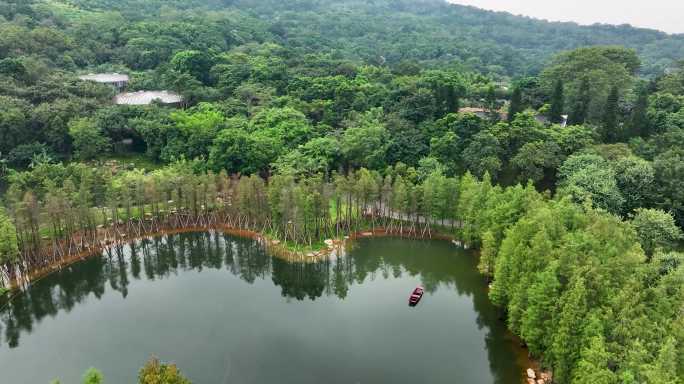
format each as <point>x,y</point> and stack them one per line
<point>59,212</point>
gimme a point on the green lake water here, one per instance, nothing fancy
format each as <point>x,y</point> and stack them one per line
<point>225,311</point>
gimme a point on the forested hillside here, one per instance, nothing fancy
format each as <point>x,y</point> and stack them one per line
<point>382,31</point>
<point>552,148</point>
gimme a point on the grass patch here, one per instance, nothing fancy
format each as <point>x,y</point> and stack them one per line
<point>133,160</point>
<point>315,246</point>
<point>343,210</point>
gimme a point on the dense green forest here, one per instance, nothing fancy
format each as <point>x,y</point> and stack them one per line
<point>380,31</point>
<point>555,149</point>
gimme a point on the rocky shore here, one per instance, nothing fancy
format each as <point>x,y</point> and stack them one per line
<point>538,377</point>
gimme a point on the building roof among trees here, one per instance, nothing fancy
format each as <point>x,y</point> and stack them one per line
<point>105,77</point>
<point>481,112</point>
<point>472,110</point>
<point>147,97</point>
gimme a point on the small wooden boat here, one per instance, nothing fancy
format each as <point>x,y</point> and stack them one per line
<point>416,296</point>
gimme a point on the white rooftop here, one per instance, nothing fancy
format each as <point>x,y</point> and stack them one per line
<point>105,77</point>
<point>147,97</point>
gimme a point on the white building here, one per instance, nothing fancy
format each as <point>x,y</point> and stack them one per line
<point>116,80</point>
<point>147,98</point>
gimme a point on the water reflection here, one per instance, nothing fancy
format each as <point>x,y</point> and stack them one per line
<point>168,256</point>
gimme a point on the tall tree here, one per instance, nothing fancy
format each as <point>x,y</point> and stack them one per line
<point>536,327</point>
<point>196,63</point>
<point>88,139</point>
<point>656,229</point>
<point>610,116</point>
<point>664,369</point>
<point>587,177</point>
<point>516,104</point>
<point>638,120</point>
<point>566,343</point>
<point>9,250</point>
<point>593,366</point>
<point>557,103</point>
<point>490,101</point>
<point>580,108</point>
<point>365,143</point>
<point>601,67</point>
<point>635,179</point>
<point>452,99</point>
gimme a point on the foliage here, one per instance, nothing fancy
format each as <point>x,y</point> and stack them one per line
<point>14,121</point>
<point>9,250</point>
<point>656,229</point>
<point>638,124</point>
<point>610,116</point>
<point>155,372</point>
<point>237,151</point>
<point>588,74</point>
<point>296,123</point>
<point>535,159</point>
<point>364,143</point>
<point>23,155</point>
<point>516,104</point>
<point>579,110</point>
<point>635,178</point>
<point>557,103</point>
<point>93,376</point>
<point>589,178</point>
<point>577,288</point>
<point>318,156</point>
<point>593,366</point>
<point>89,141</point>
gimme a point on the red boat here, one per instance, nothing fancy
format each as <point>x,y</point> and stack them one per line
<point>416,296</point>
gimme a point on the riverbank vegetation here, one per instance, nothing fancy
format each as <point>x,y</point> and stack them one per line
<point>566,173</point>
<point>578,287</point>
<point>154,372</point>
<point>575,280</point>
<point>60,211</point>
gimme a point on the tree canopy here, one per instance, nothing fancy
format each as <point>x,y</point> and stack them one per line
<point>308,120</point>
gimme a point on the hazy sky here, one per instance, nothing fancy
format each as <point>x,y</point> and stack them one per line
<point>665,15</point>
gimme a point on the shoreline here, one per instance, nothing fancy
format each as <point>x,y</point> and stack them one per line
<point>274,246</point>
<point>277,249</point>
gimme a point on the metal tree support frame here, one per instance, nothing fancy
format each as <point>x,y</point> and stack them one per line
<point>57,253</point>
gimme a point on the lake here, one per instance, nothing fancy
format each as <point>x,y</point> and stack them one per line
<point>225,311</point>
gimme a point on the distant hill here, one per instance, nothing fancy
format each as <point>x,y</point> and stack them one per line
<point>433,30</point>
<point>430,31</point>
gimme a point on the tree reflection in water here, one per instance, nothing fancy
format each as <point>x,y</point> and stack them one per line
<point>167,256</point>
